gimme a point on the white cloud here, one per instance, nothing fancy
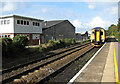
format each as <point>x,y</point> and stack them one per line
<point>91,6</point>
<point>112,10</point>
<point>7,7</point>
<point>99,22</point>
<point>95,22</point>
<point>77,23</point>
<point>44,10</point>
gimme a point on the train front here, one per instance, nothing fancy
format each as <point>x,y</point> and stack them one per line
<point>97,36</point>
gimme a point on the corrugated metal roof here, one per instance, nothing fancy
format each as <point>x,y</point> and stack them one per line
<point>48,24</point>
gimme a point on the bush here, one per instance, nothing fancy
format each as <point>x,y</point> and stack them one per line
<point>41,49</point>
<point>20,41</point>
<point>51,42</point>
<point>119,37</point>
<point>69,41</point>
<point>6,46</point>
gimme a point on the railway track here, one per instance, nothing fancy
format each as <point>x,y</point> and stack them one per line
<point>37,71</point>
<point>47,56</point>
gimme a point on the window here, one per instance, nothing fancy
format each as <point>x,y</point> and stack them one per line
<point>22,22</point>
<point>27,22</point>
<point>4,21</point>
<point>8,21</point>
<point>18,21</point>
<point>33,23</point>
<point>38,24</point>
<point>35,36</point>
<point>101,33</point>
<point>8,35</point>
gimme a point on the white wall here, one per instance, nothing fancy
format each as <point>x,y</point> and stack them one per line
<point>27,28</point>
<point>7,28</point>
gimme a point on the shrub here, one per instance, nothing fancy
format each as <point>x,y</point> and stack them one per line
<point>57,41</point>
<point>6,46</point>
<point>50,41</point>
<point>41,49</point>
<point>70,41</point>
<point>20,41</point>
<point>119,37</point>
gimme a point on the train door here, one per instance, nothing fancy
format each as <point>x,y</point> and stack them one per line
<point>97,36</point>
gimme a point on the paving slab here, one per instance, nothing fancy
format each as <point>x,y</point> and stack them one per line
<point>95,71</point>
<point>108,74</point>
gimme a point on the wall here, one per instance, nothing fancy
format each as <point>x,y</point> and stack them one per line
<point>27,28</point>
<point>59,31</point>
<point>7,28</point>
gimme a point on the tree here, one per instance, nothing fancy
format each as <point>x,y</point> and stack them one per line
<point>112,30</point>
<point>118,25</point>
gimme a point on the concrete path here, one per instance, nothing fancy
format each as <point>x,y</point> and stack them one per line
<point>117,50</point>
<point>94,72</point>
<point>108,74</point>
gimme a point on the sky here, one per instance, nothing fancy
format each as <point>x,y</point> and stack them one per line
<point>83,14</point>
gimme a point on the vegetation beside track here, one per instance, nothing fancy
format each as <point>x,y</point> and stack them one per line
<point>12,47</point>
<point>114,30</point>
<point>13,54</point>
<point>15,48</point>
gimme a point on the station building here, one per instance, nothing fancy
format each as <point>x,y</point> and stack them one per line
<point>13,25</point>
<point>37,30</point>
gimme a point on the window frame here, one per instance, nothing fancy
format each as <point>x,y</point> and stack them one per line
<point>5,21</point>
<point>25,23</point>
<point>8,21</point>
<point>22,22</point>
<point>18,21</point>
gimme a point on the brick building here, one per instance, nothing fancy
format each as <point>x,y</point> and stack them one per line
<point>13,25</point>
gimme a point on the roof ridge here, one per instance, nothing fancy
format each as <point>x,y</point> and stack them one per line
<point>48,24</point>
<point>15,15</point>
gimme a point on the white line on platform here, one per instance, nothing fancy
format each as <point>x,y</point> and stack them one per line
<point>73,79</point>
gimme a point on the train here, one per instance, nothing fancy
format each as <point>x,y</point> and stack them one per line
<point>98,36</point>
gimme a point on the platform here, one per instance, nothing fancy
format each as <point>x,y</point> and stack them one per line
<point>102,68</point>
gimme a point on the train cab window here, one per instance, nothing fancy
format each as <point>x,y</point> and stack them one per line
<point>93,33</point>
<point>101,33</point>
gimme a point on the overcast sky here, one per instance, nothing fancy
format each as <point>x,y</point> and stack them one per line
<point>83,14</point>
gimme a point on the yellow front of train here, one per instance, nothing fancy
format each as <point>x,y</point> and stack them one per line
<point>97,36</point>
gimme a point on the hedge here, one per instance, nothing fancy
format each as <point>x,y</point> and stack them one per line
<point>11,47</point>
